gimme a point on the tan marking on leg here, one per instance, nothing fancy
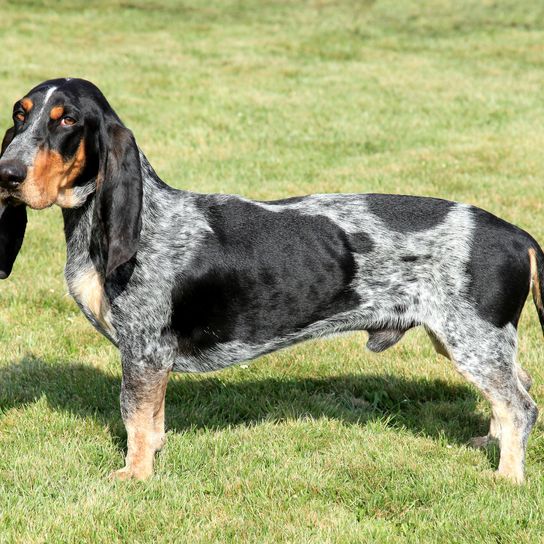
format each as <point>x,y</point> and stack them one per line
<point>145,434</point>
<point>88,289</point>
<point>158,416</point>
<point>503,430</point>
<point>140,444</point>
<point>494,426</point>
<point>27,104</point>
<point>511,443</point>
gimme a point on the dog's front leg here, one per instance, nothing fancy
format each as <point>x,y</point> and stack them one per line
<point>142,407</point>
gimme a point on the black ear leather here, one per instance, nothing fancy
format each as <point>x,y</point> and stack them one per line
<point>12,232</point>
<point>6,140</point>
<point>12,224</point>
<point>118,201</point>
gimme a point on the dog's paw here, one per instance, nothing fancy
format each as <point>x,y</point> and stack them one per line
<point>128,473</point>
<point>121,474</point>
<point>511,475</point>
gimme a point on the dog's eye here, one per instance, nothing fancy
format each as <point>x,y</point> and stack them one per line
<point>67,121</point>
<point>19,116</point>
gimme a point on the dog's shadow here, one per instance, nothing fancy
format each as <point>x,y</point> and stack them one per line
<point>427,407</point>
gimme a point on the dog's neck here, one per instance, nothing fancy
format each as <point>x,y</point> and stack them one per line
<point>78,228</point>
<point>78,221</point>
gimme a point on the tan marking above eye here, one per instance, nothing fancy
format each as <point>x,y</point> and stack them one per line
<point>27,104</point>
<point>57,112</point>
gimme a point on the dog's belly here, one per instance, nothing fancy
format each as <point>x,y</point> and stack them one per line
<point>224,354</point>
<point>218,332</point>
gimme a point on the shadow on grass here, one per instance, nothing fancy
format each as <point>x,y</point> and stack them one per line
<point>426,407</point>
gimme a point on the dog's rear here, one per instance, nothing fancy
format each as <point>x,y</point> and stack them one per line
<point>506,263</point>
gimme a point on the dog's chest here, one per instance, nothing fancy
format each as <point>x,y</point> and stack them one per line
<point>87,288</point>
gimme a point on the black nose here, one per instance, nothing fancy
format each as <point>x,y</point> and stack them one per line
<point>12,173</point>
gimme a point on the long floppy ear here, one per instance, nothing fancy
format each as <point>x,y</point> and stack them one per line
<point>12,224</point>
<point>12,232</point>
<point>6,140</point>
<point>118,202</point>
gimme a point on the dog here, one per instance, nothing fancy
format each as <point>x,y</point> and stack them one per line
<point>189,282</point>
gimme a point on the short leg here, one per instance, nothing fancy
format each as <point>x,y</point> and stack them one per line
<point>487,359</point>
<point>494,425</point>
<point>142,408</point>
<point>477,441</point>
<point>514,414</point>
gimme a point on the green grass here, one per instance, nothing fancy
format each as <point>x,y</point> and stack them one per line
<point>323,442</point>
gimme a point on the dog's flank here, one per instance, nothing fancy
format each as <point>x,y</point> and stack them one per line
<point>191,282</point>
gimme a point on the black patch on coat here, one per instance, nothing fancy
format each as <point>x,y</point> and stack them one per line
<point>261,274</point>
<point>414,258</point>
<point>400,309</point>
<point>361,242</point>
<point>404,213</point>
<point>499,268</point>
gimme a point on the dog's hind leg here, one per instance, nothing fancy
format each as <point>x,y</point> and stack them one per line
<point>524,378</point>
<point>485,355</point>
<point>438,345</point>
<point>142,407</point>
<point>494,426</point>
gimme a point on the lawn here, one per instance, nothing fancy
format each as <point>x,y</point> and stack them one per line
<point>324,442</point>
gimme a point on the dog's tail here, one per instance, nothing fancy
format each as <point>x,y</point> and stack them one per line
<point>536,258</point>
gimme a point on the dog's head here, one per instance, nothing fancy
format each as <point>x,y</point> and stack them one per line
<point>65,144</point>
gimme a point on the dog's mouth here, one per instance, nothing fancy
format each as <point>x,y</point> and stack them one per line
<point>8,193</point>
<point>9,199</point>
